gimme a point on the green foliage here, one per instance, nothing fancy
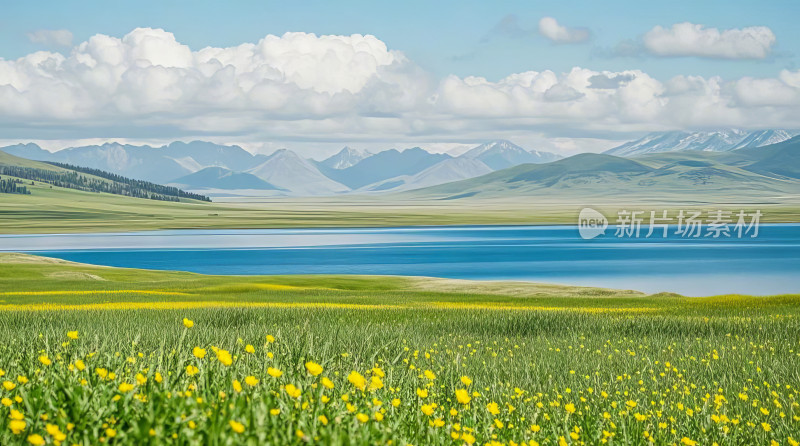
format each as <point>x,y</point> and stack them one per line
<point>13,186</point>
<point>99,181</point>
<point>578,364</point>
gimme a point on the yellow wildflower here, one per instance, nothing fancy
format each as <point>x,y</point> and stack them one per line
<point>463,396</point>
<point>313,368</point>
<point>17,426</point>
<point>224,357</point>
<point>36,440</point>
<point>293,391</point>
<point>357,380</point>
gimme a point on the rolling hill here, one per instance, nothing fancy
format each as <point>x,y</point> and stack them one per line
<point>155,164</point>
<point>88,180</point>
<point>670,176</point>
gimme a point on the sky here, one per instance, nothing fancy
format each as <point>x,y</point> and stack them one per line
<point>564,76</point>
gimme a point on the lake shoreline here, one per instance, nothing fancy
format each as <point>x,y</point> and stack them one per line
<point>769,264</point>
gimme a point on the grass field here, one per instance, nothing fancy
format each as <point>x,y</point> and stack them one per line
<point>92,353</point>
<point>60,210</point>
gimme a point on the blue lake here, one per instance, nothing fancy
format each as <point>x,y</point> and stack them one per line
<point>767,264</point>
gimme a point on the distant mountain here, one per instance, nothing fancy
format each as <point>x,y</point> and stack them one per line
<point>451,169</point>
<point>763,138</point>
<point>782,159</point>
<point>669,176</point>
<point>503,154</point>
<point>286,170</point>
<point>384,165</point>
<point>29,151</point>
<point>222,178</point>
<point>346,157</point>
<point>157,164</point>
<point>85,179</point>
<point>709,141</point>
<point>208,154</point>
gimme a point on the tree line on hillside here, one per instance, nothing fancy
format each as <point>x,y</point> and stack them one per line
<point>13,186</point>
<point>137,184</point>
<point>106,182</point>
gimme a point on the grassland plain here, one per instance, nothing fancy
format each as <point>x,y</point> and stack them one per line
<point>58,210</point>
<point>93,354</point>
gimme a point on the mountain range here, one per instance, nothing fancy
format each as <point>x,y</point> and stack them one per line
<point>768,173</point>
<point>722,140</point>
<point>680,162</point>
<point>218,169</point>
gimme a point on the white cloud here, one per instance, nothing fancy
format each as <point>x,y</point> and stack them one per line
<point>690,39</point>
<point>551,29</point>
<point>51,37</point>
<point>149,71</point>
<point>311,89</point>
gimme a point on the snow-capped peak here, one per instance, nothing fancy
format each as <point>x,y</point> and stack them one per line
<point>345,158</point>
<point>720,140</point>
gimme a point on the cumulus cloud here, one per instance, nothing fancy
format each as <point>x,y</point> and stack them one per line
<point>149,71</point>
<point>551,29</point>
<point>304,87</point>
<point>584,100</point>
<point>690,39</point>
<point>51,37</point>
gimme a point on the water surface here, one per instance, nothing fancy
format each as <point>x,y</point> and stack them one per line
<point>768,264</point>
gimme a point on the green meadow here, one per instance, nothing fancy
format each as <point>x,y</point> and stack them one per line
<point>125,356</point>
<point>58,210</point>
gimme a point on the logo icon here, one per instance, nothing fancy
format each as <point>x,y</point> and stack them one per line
<point>591,223</point>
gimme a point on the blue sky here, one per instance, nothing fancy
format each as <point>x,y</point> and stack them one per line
<point>461,38</point>
<point>446,37</point>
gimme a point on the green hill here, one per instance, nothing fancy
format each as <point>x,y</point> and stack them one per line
<point>674,176</point>
<point>782,159</point>
<point>21,170</point>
